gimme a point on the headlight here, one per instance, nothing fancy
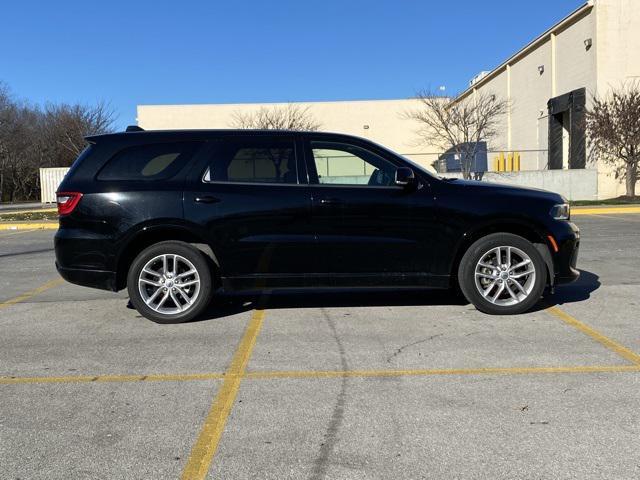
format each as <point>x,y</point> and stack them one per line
<point>561,212</point>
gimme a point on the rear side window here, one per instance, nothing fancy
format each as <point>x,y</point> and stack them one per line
<point>253,161</point>
<point>148,162</point>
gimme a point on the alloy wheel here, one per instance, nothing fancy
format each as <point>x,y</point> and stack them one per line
<point>169,284</point>
<point>505,275</point>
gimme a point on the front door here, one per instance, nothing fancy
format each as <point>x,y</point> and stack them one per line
<point>249,202</point>
<point>363,220</point>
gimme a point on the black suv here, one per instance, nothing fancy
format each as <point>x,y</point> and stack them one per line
<point>176,216</point>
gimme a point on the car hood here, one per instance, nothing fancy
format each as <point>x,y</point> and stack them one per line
<point>483,187</point>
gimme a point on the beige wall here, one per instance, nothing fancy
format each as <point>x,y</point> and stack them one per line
<point>575,65</point>
<point>384,118</point>
<point>618,61</point>
<point>530,92</point>
<point>618,42</point>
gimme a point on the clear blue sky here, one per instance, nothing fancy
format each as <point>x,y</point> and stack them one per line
<point>151,52</point>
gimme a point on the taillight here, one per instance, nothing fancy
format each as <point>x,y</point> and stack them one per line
<point>67,201</point>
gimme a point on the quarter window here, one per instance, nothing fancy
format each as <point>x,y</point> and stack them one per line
<point>343,164</point>
<point>253,162</point>
<point>148,162</point>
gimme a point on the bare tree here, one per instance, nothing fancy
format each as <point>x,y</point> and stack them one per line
<point>289,117</point>
<point>613,126</point>
<point>32,137</point>
<point>68,125</point>
<point>458,125</point>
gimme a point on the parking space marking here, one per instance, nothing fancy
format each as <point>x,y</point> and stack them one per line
<point>436,372</point>
<point>31,293</point>
<point>624,352</point>
<point>206,445</point>
<point>274,375</point>
<point>113,378</point>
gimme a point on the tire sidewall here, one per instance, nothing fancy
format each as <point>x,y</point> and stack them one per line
<point>170,247</point>
<point>466,273</point>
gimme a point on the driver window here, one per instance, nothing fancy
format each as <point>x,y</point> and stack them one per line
<point>343,164</point>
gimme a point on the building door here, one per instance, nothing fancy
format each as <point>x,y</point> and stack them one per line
<point>567,130</point>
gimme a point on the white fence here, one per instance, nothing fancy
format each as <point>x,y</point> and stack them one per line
<point>50,179</point>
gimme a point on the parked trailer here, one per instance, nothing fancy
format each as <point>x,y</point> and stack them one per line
<point>50,179</point>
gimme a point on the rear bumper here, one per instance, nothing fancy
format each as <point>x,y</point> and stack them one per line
<point>101,279</point>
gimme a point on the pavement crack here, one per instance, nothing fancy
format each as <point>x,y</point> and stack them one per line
<point>404,347</point>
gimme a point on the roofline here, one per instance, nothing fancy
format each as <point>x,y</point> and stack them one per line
<point>164,105</point>
<point>561,25</point>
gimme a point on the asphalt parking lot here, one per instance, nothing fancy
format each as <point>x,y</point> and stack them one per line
<point>335,385</point>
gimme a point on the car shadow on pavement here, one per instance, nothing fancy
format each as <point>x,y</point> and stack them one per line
<point>227,305</point>
<point>577,291</point>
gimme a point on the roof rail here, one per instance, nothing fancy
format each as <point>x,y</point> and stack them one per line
<point>134,128</point>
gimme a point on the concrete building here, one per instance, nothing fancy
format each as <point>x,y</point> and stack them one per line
<point>549,84</point>
<point>552,80</point>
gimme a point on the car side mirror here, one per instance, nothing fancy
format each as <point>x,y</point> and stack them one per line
<point>405,177</point>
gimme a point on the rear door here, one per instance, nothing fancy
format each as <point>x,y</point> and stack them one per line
<point>363,221</point>
<point>251,199</point>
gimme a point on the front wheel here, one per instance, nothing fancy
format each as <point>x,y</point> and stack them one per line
<point>502,274</point>
<point>169,282</point>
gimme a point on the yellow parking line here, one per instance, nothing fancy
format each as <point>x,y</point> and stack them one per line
<point>604,210</point>
<point>28,226</point>
<point>112,378</point>
<point>31,293</point>
<point>274,375</point>
<point>206,445</point>
<point>624,352</point>
<point>435,372</point>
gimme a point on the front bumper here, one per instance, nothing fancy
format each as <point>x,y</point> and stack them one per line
<point>565,260</point>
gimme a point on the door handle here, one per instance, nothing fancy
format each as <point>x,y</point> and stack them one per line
<point>207,199</point>
<point>331,201</point>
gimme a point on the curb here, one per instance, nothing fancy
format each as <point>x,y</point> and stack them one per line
<point>28,226</point>
<point>19,212</point>
<point>603,210</point>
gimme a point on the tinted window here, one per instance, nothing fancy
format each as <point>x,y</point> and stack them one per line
<point>253,161</point>
<point>148,162</point>
<point>343,164</point>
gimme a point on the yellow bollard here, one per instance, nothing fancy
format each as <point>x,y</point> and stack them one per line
<point>516,162</point>
<point>509,162</point>
<point>501,162</point>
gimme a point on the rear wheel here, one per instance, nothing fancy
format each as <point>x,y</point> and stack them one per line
<point>170,282</point>
<point>502,274</point>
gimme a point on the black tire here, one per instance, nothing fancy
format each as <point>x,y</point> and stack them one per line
<point>199,262</point>
<point>467,275</point>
